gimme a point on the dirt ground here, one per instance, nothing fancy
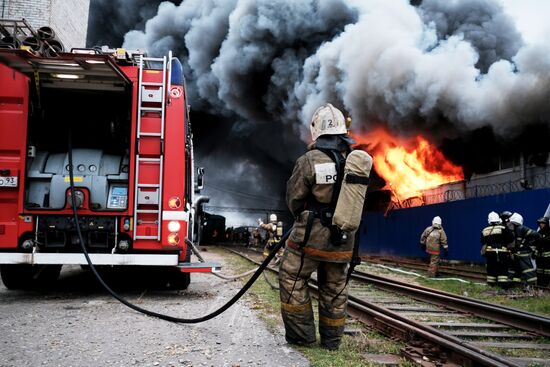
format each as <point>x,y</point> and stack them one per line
<point>77,324</point>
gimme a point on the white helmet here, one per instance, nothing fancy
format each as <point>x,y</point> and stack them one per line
<point>273,218</point>
<point>516,219</point>
<point>436,221</point>
<point>327,120</point>
<point>494,218</point>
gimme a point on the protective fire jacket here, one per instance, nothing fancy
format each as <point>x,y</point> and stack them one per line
<point>495,237</point>
<point>270,228</point>
<point>525,238</point>
<point>434,237</point>
<point>543,243</point>
<point>314,174</point>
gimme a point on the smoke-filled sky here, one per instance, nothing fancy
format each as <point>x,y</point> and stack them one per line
<point>257,69</point>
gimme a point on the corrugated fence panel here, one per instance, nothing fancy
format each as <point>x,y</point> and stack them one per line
<point>399,233</point>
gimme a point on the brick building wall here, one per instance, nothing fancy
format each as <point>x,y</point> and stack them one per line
<point>68,18</point>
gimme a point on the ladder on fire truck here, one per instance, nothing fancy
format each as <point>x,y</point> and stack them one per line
<point>149,171</point>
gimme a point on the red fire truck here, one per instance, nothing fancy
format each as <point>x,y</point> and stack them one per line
<point>127,118</point>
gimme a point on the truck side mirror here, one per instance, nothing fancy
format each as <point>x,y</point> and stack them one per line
<point>200,178</point>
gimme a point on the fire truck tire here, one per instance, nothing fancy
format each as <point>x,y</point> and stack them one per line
<point>46,275</point>
<point>178,280</point>
<point>18,276</point>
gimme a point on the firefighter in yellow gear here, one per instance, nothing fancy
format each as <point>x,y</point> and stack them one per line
<point>315,244</point>
<point>523,251</point>
<point>433,240</point>
<point>494,239</point>
<point>274,232</point>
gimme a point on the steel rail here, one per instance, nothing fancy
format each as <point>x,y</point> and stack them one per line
<point>392,323</point>
<point>509,316</point>
<point>444,269</point>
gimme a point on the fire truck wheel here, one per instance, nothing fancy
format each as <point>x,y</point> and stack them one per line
<point>17,276</point>
<point>47,275</point>
<point>178,280</point>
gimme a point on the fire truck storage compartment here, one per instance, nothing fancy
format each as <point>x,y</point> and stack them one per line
<point>99,123</point>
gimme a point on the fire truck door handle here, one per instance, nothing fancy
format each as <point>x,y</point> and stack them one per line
<point>161,146</point>
<point>4,171</point>
<point>137,145</point>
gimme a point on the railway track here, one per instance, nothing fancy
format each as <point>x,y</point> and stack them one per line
<point>472,273</point>
<point>462,271</point>
<point>443,329</point>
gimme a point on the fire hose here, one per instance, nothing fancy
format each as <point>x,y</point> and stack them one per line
<point>197,253</point>
<point>127,303</point>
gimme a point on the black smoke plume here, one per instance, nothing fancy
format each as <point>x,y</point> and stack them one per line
<point>256,71</point>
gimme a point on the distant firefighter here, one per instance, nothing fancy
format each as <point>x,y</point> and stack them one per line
<point>505,217</point>
<point>432,240</point>
<point>274,231</point>
<point>494,239</point>
<point>524,266</point>
<point>256,237</point>
<point>543,252</point>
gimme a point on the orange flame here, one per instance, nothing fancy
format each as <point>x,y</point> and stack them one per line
<point>408,165</point>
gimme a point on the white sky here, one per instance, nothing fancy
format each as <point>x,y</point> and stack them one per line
<point>532,18</point>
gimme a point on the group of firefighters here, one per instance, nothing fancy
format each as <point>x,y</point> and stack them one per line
<point>516,254</point>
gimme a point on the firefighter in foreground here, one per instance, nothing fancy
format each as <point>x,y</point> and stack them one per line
<point>524,267</point>
<point>495,238</point>
<point>325,193</point>
<point>432,240</point>
<point>543,252</point>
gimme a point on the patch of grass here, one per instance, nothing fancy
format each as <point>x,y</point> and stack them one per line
<point>515,298</point>
<point>521,353</point>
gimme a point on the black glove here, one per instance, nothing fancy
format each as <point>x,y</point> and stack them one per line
<point>423,246</point>
<point>446,252</point>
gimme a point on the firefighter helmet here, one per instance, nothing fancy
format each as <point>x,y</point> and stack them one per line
<point>516,219</point>
<point>493,218</point>
<point>273,218</point>
<point>436,221</point>
<point>505,215</point>
<point>327,120</point>
<point>543,220</point>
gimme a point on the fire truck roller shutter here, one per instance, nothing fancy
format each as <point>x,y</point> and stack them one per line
<point>349,207</point>
<point>105,176</point>
<point>177,72</point>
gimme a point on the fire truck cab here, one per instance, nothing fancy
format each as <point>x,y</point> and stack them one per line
<point>125,116</point>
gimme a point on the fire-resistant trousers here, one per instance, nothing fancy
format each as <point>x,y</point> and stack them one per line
<point>524,269</point>
<point>434,265</point>
<point>296,308</point>
<point>543,269</point>
<point>498,264</point>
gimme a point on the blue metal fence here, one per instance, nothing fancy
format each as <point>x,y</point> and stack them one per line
<point>398,234</point>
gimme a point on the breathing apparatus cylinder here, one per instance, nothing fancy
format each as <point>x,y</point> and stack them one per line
<point>349,206</point>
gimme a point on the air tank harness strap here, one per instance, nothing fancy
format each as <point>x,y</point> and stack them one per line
<point>354,179</point>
